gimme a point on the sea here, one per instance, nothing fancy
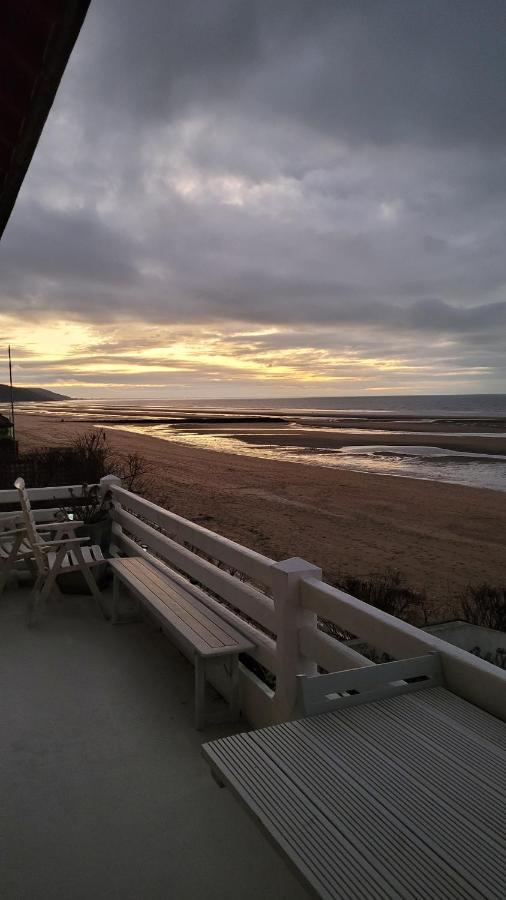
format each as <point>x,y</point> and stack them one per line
<point>378,433</point>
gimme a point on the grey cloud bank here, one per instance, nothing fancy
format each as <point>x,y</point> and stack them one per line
<point>333,169</point>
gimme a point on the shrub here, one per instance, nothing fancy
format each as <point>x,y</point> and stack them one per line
<point>86,460</point>
<point>388,592</point>
<point>485,605</point>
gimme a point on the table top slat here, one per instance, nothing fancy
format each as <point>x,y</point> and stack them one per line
<point>410,787</point>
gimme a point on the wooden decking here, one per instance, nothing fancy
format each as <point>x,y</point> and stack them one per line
<point>400,798</point>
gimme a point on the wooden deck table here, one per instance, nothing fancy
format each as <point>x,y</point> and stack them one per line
<point>401,798</point>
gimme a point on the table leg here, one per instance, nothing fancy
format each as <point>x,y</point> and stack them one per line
<point>200,690</point>
<point>235,707</point>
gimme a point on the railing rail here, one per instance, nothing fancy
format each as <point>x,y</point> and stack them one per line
<point>277,606</point>
<point>467,675</point>
<point>248,599</point>
<point>265,646</point>
<point>38,495</point>
<point>246,561</point>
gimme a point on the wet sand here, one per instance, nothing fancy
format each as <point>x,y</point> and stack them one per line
<point>334,439</point>
<point>441,537</point>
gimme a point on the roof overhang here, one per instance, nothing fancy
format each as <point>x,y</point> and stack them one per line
<point>36,40</point>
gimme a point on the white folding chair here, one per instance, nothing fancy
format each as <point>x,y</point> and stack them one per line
<point>14,548</point>
<point>52,558</point>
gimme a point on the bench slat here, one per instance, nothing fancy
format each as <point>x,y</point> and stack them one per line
<point>209,635</point>
<point>174,596</point>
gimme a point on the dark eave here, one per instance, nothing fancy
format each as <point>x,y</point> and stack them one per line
<point>36,40</point>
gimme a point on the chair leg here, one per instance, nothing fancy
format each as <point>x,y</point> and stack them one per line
<point>4,574</point>
<point>38,595</point>
<point>42,588</point>
<point>8,563</point>
<point>90,580</point>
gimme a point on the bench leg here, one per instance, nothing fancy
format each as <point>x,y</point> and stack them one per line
<point>115,598</point>
<point>116,619</point>
<point>235,705</point>
<point>200,690</point>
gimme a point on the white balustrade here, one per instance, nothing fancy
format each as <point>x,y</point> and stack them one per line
<point>277,606</point>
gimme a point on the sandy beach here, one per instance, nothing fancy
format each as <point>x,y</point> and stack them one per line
<point>441,537</point>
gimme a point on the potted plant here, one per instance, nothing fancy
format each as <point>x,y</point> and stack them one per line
<point>92,509</point>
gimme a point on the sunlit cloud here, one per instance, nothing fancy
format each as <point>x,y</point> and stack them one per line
<point>273,205</point>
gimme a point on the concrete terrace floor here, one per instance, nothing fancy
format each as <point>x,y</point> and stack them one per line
<point>104,790</point>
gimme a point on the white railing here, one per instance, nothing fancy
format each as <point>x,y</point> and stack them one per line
<point>277,606</point>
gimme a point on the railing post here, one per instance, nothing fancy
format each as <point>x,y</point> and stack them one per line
<point>290,616</point>
<point>107,481</point>
<point>105,485</point>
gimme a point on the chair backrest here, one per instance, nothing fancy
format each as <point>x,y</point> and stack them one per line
<point>33,537</point>
<point>325,693</point>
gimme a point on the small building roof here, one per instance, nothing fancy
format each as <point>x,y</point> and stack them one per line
<point>36,40</point>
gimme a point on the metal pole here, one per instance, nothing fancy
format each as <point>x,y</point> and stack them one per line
<point>12,404</point>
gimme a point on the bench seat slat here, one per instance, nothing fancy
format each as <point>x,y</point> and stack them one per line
<point>209,635</point>
<point>174,597</point>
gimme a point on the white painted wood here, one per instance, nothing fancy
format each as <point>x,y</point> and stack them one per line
<point>325,693</point>
<point>465,674</point>
<point>53,557</point>
<point>399,798</point>
<point>46,493</point>
<point>329,652</point>
<point>181,612</point>
<point>220,548</point>
<point>13,550</point>
<point>207,632</point>
<point>242,596</point>
<point>264,647</point>
<point>39,515</point>
<point>290,617</point>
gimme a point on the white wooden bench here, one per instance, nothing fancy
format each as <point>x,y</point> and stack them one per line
<point>400,798</point>
<point>182,613</point>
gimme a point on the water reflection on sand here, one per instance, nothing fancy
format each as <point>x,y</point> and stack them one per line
<point>427,462</point>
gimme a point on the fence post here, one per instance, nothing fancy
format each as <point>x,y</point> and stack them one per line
<point>290,616</point>
<point>106,483</point>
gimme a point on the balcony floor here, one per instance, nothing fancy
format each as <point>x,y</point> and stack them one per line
<point>104,790</point>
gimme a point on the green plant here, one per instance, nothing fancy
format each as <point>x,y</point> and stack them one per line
<point>90,507</point>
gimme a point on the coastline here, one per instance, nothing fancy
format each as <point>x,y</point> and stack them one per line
<point>440,536</point>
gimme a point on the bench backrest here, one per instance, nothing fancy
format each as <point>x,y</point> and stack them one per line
<point>326,693</point>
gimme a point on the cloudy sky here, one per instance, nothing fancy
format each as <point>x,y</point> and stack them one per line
<point>247,198</point>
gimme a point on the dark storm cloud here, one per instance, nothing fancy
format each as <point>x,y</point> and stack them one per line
<point>333,169</point>
<point>367,70</point>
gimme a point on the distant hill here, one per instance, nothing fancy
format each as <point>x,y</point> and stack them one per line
<point>30,395</point>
